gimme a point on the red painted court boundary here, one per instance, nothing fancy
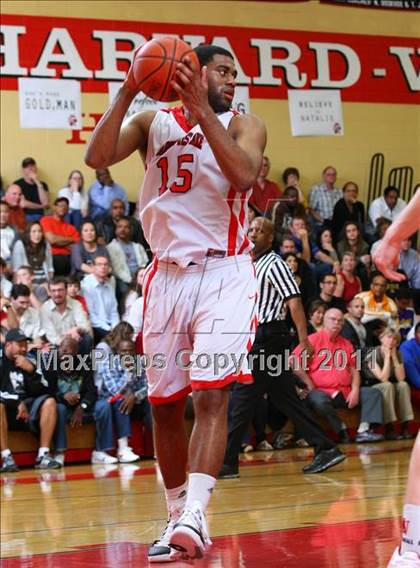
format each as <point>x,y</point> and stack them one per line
<point>357,544</point>
<point>303,456</point>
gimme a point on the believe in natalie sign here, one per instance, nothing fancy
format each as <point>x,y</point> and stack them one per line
<point>366,68</point>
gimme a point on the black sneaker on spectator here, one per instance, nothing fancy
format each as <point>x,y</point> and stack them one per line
<point>367,437</point>
<point>8,465</point>
<point>46,462</point>
<point>228,472</point>
<point>324,460</point>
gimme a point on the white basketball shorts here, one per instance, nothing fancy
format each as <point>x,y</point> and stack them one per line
<point>199,324</point>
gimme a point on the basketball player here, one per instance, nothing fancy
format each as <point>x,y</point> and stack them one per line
<point>386,259</point>
<point>200,291</point>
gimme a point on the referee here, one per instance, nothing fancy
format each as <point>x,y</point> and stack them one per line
<point>277,288</point>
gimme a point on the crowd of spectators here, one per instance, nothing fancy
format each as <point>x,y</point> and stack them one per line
<point>71,277</point>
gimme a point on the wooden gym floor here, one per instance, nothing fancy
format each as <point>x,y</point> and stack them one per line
<point>272,517</point>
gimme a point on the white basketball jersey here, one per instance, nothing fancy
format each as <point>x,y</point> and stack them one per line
<point>188,209</point>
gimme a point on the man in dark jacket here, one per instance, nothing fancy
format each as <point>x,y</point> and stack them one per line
<point>353,329</point>
<point>71,382</point>
<point>25,402</point>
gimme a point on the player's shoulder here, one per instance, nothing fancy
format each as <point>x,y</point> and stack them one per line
<point>247,119</point>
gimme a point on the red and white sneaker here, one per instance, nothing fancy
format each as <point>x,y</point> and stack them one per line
<point>190,535</point>
<point>405,560</point>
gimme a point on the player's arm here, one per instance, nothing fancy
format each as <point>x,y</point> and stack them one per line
<point>386,256</point>
<point>238,150</point>
<point>110,143</point>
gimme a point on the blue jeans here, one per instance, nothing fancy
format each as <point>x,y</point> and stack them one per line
<point>74,216</point>
<point>32,217</point>
<point>63,417</point>
<point>109,416</point>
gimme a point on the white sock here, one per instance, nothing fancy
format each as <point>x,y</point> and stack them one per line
<point>6,453</point>
<point>410,540</point>
<point>43,451</point>
<point>122,444</point>
<point>176,498</point>
<point>200,488</point>
<point>363,427</point>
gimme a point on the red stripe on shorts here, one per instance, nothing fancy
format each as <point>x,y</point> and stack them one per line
<point>210,384</point>
<point>158,400</point>
<point>233,223</point>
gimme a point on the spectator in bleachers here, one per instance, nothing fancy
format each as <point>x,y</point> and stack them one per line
<point>134,292</point>
<point>327,253</point>
<point>382,225</point>
<point>64,317</point>
<point>287,245</point>
<point>100,298</point>
<point>305,285</point>
<point>389,205</point>
<point>34,251</point>
<point>8,234</point>
<point>291,178</point>
<point>117,397</point>
<point>22,316</point>
<point>73,291</point>
<point>35,195</point>
<point>348,283</point>
<point>353,328</point>
<point>108,345</point>
<point>25,402</point>
<point>299,233</point>
<point>61,235</point>
<point>322,199</point>
<point>352,241</point>
<point>374,328</point>
<point>83,252</point>
<point>75,393</point>
<point>328,285</point>
<point>78,203</point>
<point>377,304</point>
<point>5,284</point>
<point>102,192</point>
<point>25,275</point>
<point>107,223</point>
<point>406,314</point>
<point>331,386</point>
<point>316,312</point>
<point>126,256</point>
<point>265,193</point>
<point>348,208</point>
<point>285,209</point>
<point>410,350</point>
<point>384,370</point>
<point>13,198</point>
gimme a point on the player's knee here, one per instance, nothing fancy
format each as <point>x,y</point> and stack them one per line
<point>171,412</point>
<point>210,401</point>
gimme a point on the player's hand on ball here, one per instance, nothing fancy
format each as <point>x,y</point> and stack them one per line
<point>130,81</point>
<point>191,86</point>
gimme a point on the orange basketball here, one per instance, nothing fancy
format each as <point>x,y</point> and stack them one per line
<point>155,64</point>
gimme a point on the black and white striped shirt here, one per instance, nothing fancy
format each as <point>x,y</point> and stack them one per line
<point>275,285</point>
